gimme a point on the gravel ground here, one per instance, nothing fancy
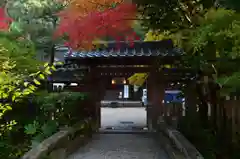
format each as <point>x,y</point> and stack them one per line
<point>116,117</point>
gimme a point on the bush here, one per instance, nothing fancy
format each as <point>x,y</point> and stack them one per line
<point>38,117</point>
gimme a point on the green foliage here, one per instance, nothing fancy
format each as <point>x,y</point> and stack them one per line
<point>21,53</point>
<point>39,131</point>
<point>56,111</point>
<point>51,112</point>
<point>218,36</point>
<point>172,15</point>
<point>156,13</point>
<point>13,89</point>
<point>31,129</point>
<point>212,46</point>
<point>21,75</point>
<point>139,29</point>
<point>35,19</point>
<point>229,84</point>
<point>210,38</point>
<point>222,27</point>
<point>16,82</point>
<point>54,105</point>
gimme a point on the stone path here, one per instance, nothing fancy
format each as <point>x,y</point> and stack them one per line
<point>121,146</point>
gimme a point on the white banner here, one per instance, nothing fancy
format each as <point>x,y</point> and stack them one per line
<point>126,91</point>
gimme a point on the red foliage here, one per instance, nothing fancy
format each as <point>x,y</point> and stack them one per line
<point>114,22</point>
<point>4,20</point>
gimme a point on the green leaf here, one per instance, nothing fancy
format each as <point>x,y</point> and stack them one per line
<point>53,68</point>
<point>9,107</point>
<point>36,82</point>
<point>4,95</point>
<point>25,84</point>
<point>47,71</point>
<point>32,87</point>
<point>32,74</point>
<point>27,92</point>
<point>41,76</point>
<point>46,65</point>
<point>30,129</point>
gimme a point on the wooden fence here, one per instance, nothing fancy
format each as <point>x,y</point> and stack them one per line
<point>228,112</point>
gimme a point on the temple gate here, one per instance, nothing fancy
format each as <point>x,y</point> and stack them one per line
<point>91,71</point>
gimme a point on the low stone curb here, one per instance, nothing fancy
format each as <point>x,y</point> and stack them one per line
<point>181,143</point>
<point>167,145</point>
<point>60,144</point>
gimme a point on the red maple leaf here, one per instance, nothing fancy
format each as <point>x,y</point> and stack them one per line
<point>5,21</point>
<point>114,22</point>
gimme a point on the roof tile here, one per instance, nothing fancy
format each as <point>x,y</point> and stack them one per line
<point>140,48</point>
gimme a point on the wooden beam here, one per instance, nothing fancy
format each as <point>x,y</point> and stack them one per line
<point>121,70</point>
<point>135,60</point>
<point>131,70</point>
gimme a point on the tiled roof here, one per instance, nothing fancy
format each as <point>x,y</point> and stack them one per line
<point>123,49</point>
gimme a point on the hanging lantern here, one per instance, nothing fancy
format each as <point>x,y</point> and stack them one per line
<point>113,82</point>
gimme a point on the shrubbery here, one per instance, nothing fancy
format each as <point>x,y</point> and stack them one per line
<point>38,117</point>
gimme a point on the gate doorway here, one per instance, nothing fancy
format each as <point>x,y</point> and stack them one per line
<point>116,115</point>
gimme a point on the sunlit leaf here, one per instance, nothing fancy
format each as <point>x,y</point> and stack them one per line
<point>46,64</point>
<point>25,84</point>
<point>41,76</point>
<point>36,82</point>
<point>53,68</point>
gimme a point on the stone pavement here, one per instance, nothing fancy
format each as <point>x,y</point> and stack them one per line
<point>121,146</point>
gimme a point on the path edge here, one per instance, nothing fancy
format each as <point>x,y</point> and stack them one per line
<point>179,141</point>
<point>63,143</point>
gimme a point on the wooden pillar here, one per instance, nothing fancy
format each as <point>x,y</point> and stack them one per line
<point>100,95</point>
<point>98,87</point>
<point>155,91</point>
<point>93,94</point>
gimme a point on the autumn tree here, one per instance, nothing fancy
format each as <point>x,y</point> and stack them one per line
<point>4,20</point>
<point>85,21</point>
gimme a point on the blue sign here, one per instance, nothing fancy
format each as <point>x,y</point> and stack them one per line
<point>173,96</point>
